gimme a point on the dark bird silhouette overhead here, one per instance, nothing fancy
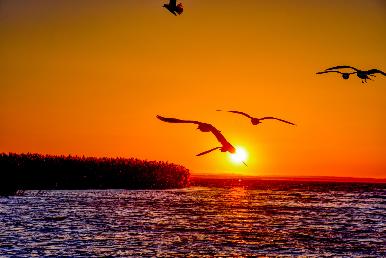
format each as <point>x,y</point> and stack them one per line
<point>255,120</point>
<point>174,8</point>
<point>205,127</point>
<point>364,75</point>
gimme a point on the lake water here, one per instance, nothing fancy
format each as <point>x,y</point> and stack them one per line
<point>220,218</point>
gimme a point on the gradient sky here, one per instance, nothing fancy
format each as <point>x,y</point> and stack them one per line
<point>88,78</point>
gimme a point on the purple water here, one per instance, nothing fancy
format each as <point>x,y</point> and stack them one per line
<point>219,218</point>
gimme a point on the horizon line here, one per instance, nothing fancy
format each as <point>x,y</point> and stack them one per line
<point>292,178</point>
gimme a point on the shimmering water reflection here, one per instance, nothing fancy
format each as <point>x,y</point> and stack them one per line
<point>296,219</point>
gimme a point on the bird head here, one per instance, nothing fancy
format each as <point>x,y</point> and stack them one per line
<point>345,76</point>
<point>255,121</point>
<point>180,8</point>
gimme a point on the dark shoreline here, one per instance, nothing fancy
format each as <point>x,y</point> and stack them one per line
<point>48,172</point>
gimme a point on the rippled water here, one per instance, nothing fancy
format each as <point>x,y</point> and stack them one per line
<point>268,218</point>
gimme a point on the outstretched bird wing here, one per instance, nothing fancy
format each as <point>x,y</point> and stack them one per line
<point>332,71</point>
<point>208,127</point>
<point>342,67</point>
<point>173,3</point>
<point>281,120</point>
<point>329,72</point>
<point>372,71</point>
<point>236,112</point>
<point>175,120</point>
<point>205,152</point>
<point>219,136</point>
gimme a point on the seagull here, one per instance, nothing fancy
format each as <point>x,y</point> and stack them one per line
<point>174,8</point>
<point>204,127</point>
<point>255,120</point>
<point>362,74</point>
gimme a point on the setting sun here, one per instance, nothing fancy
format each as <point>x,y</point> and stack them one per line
<point>239,156</point>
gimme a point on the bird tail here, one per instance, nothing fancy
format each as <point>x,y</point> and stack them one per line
<point>205,152</point>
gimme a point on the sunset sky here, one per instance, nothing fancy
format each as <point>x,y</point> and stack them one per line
<point>89,77</point>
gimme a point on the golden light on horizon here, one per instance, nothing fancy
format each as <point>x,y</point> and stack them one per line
<point>239,156</point>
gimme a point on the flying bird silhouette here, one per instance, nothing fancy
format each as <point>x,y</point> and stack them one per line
<point>174,8</point>
<point>204,127</point>
<point>362,74</point>
<point>255,120</point>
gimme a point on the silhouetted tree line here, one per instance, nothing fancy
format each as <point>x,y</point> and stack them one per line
<point>42,172</point>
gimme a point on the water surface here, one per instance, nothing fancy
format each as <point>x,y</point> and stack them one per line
<point>261,218</point>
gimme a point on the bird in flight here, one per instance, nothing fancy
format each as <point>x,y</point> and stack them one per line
<point>204,127</point>
<point>255,120</point>
<point>174,8</point>
<point>362,74</point>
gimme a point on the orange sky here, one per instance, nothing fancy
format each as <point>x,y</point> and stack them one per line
<point>89,77</point>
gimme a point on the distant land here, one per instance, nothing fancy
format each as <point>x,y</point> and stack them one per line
<point>195,176</point>
<point>32,171</point>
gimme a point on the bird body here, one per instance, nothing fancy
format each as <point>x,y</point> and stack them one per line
<point>255,120</point>
<point>362,74</point>
<point>204,127</point>
<point>174,8</point>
